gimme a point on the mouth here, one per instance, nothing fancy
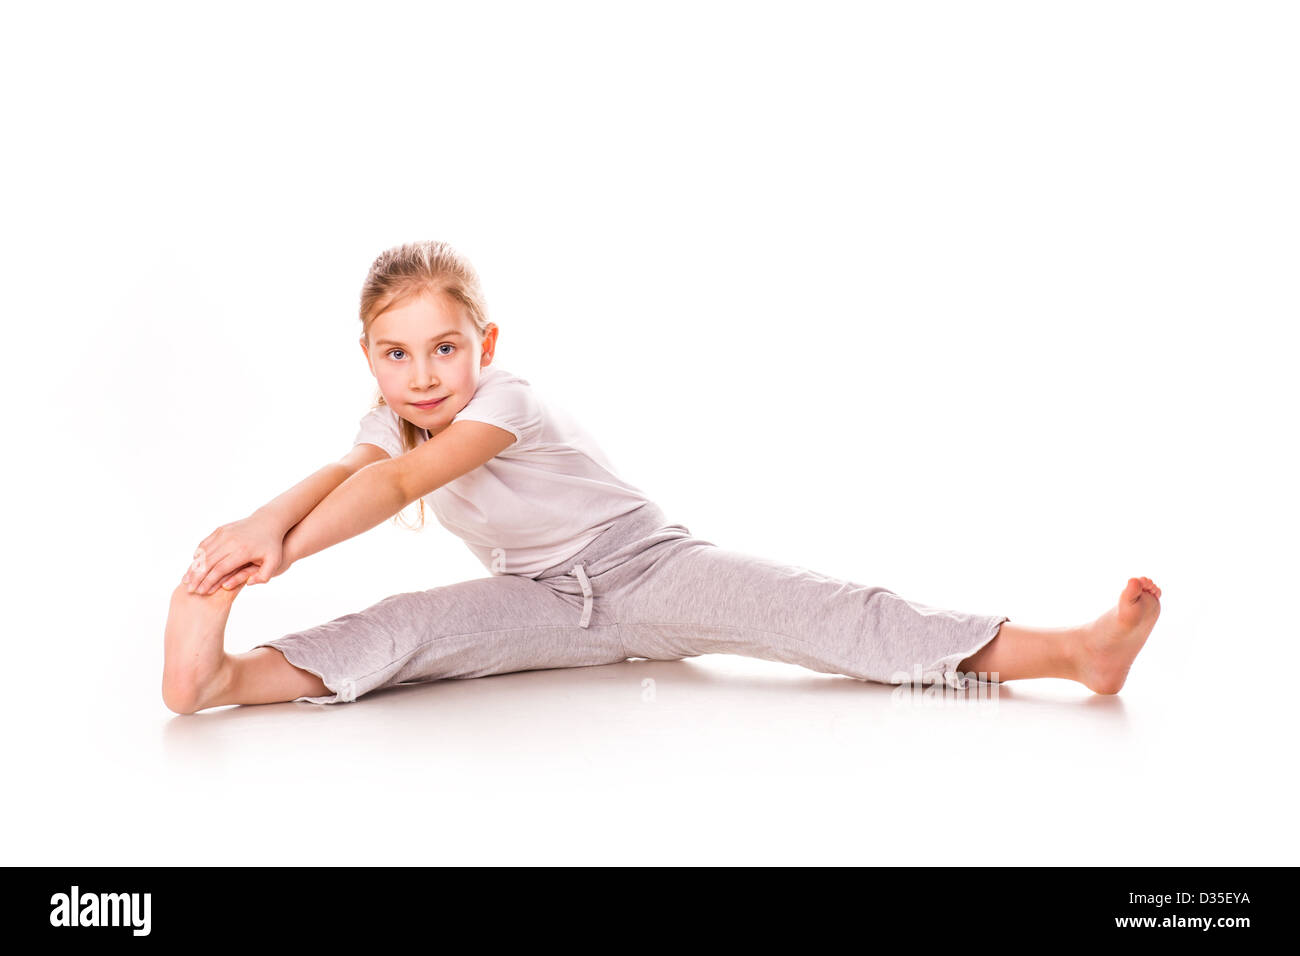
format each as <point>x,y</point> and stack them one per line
<point>432,403</point>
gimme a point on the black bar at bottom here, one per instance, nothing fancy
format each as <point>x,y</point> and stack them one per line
<point>385,904</point>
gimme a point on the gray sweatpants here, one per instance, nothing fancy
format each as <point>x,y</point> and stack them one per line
<point>643,588</point>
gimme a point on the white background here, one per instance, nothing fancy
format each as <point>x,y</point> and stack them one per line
<point>991,304</point>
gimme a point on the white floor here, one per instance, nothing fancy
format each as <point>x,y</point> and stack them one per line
<point>711,760</point>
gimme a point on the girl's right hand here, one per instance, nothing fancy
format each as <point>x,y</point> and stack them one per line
<point>249,550</point>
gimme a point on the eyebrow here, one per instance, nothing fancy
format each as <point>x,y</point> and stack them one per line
<point>441,335</point>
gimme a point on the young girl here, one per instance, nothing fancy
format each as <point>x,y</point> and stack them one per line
<point>584,568</point>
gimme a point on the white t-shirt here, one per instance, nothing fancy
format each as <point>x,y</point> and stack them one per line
<point>537,503</point>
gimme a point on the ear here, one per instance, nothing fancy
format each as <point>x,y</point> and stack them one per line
<point>489,344</point>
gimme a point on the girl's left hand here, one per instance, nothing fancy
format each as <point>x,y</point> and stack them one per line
<point>232,580</point>
<point>227,554</point>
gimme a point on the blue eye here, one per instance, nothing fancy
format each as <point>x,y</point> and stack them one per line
<point>446,345</point>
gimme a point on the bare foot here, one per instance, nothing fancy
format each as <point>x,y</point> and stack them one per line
<point>1108,645</point>
<point>195,664</point>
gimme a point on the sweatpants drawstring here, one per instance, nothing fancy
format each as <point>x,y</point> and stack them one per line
<point>581,572</point>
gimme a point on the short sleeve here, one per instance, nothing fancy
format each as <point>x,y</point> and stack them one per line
<point>508,403</point>
<point>379,427</point>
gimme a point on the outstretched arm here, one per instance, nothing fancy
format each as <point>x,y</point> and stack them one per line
<point>291,507</point>
<point>380,490</point>
<point>253,547</point>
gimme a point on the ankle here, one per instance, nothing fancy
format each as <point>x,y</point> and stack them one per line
<point>218,691</point>
<point>1078,651</point>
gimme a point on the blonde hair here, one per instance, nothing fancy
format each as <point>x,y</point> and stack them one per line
<point>412,269</point>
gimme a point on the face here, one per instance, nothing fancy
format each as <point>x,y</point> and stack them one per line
<point>424,350</point>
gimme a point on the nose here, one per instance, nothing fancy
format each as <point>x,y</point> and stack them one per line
<point>423,375</point>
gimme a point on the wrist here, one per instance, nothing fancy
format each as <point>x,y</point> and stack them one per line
<point>274,518</point>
